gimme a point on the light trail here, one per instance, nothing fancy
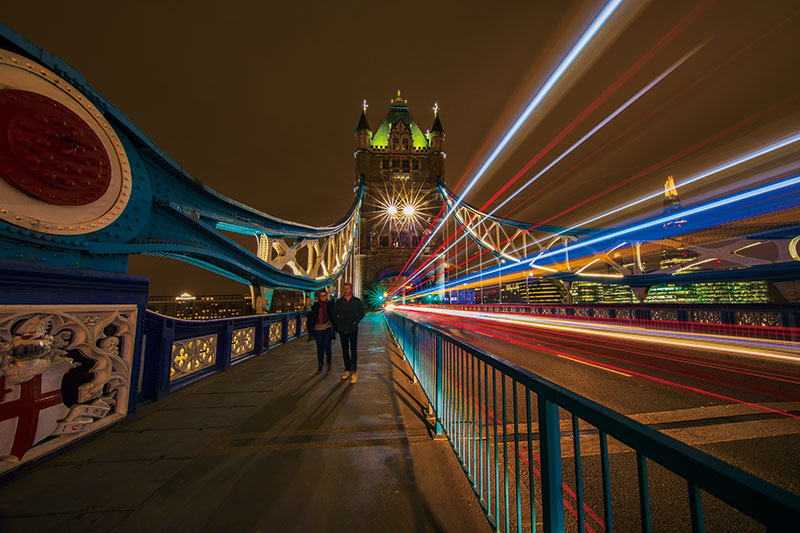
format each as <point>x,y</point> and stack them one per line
<point>558,339</point>
<point>706,207</point>
<point>576,50</point>
<point>785,352</point>
<point>645,58</point>
<point>703,175</point>
<point>720,168</point>
<point>705,142</point>
<point>564,154</point>
<point>523,342</point>
<point>605,121</point>
<point>673,158</point>
<point>660,107</point>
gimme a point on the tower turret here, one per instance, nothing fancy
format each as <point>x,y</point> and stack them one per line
<point>437,131</point>
<point>436,138</point>
<point>363,133</point>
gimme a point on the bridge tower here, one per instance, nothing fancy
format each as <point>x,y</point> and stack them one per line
<point>400,164</point>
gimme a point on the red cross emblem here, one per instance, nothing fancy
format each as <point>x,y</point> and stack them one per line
<point>32,401</point>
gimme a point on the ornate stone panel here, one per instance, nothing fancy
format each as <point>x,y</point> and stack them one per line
<point>275,332</point>
<point>244,341</point>
<point>707,317</point>
<point>292,326</point>
<point>664,314</point>
<point>192,355</point>
<point>64,373</point>
<point>758,318</point>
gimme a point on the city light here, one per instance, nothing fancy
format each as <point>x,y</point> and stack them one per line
<point>408,210</point>
<point>391,210</point>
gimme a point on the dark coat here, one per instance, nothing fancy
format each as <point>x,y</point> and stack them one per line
<point>347,315</point>
<point>312,318</point>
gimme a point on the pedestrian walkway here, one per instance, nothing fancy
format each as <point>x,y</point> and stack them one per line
<point>268,445</point>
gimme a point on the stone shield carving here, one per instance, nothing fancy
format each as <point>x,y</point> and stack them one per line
<point>64,372</point>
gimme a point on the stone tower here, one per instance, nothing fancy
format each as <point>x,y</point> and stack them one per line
<point>401,165</point>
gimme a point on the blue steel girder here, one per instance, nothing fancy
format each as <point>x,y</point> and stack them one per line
<point>508,239</point>
<point>159,209</point>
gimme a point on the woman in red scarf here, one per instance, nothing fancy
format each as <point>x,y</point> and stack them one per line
<point>320,326</point>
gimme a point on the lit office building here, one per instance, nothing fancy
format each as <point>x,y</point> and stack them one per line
<point>583,292</point>
<point>705,293</point>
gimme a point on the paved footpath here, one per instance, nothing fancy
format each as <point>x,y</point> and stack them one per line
<point>267,446</point>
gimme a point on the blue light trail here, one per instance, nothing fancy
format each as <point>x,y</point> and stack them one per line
<point>598,23</point>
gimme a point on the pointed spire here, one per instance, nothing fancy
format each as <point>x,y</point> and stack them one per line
<point>362,122</point>
<point>437,124</point>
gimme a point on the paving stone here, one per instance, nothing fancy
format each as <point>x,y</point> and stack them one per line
<point>268,445</point>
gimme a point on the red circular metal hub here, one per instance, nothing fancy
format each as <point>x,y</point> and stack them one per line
<point>49,152</point>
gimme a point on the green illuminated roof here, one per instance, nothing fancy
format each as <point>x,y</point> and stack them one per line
<point>380,139</point>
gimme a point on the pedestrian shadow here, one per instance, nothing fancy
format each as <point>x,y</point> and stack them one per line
<point>327,407</point>
<point>281,410</point>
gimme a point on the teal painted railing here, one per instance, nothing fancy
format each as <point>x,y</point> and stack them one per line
<point>506,426</point>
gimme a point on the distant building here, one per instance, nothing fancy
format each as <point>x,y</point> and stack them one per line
<point>211,306</point>
<point>285,301</point>
<point>201,307</point>
<point>727,292</point>
<point>532,290</point>
<point>584,292</point>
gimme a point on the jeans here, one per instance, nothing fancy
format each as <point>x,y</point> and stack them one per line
<point>349,353</point>
<point>323,338</point>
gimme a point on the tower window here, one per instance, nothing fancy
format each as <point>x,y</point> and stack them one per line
<point>415,164</point>
<point>406,164</point>
<point>395,144</point>
<point>384,241</point>
<point>384,163</point>
<point>405,144</point>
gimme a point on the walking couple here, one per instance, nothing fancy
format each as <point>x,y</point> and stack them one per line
<point>327,318</point>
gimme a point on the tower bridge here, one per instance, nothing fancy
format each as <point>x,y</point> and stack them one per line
<point>120,418</point>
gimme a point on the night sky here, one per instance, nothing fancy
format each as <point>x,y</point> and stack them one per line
<point>260,101</point>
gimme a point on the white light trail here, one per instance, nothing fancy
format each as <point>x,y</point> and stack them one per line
<point>564,154</point>
<point>654,222</point>
<point>764,349</point>
<point>598,23</point>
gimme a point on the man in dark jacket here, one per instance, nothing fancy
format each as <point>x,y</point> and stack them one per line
<point>347,313</point>
<point>320,326</point>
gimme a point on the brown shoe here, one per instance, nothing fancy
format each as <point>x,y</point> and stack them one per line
<point>346,374</point>
<point>354,377</point>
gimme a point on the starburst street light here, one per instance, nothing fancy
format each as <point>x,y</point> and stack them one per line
<point>391,210</point>
<point>409,210</point>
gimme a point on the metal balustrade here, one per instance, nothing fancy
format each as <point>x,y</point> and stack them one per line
<point>506,426</point>
<point>177,352</point>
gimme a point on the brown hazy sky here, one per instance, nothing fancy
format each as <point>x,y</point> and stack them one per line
<point>259,101</point>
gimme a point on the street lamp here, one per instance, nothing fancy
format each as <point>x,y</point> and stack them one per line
<point>408,210</point>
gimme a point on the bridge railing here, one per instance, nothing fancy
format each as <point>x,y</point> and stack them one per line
<point>177,352</point>
<point>506,426</point>
<point>761,321</point>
